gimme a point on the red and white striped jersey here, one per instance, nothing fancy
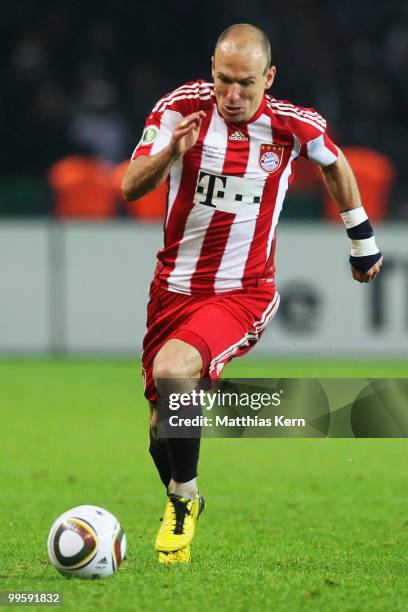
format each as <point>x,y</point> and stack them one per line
<point>226,193</point>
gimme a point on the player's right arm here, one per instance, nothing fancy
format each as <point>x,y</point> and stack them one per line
<point>147,172</point>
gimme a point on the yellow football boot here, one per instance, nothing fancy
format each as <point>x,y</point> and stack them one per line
<point>178,556</point>
<point>178,523</point>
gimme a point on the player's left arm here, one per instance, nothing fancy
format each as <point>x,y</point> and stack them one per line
<point>365,257</point>
<point>316,145</point>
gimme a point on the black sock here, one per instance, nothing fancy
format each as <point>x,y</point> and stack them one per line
<point>160,456</point>
<point>182,441</point>
<point>183,454</point>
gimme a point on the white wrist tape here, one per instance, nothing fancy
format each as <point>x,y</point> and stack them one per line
<point>360,232</point>
<point>354,217</point>
<point>364,252</point>
<point>360,248</point>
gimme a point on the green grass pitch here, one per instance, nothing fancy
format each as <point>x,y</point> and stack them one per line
<point>291,524</point>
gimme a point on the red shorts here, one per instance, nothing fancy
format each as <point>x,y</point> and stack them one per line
<point>220,327</point>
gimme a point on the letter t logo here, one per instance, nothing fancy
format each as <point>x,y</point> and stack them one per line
<point>206,186</point>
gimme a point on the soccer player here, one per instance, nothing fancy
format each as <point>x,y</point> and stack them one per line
<point>227,151</point>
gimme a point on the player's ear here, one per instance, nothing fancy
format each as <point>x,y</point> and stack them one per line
<point>212,66</point>
<point>269,77</point>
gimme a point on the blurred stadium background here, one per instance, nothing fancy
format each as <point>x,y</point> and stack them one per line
<point>78,79</point>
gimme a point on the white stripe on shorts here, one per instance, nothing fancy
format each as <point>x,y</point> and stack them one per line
<point>252,335</point>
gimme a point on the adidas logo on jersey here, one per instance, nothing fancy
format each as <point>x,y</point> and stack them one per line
<point>237,135</point>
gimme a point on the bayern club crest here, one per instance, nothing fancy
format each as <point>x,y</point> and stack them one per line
<point>270,157</point>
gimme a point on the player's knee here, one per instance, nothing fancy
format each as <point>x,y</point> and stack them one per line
<point>177,359</point>
<point>165,366</point>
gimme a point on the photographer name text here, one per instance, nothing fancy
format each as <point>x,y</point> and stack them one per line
<point>239,421</point>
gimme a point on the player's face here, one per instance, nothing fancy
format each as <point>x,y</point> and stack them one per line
<point>240,80</point>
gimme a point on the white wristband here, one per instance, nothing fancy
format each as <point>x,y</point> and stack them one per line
<point>354,217</point>
<point>360,248</point>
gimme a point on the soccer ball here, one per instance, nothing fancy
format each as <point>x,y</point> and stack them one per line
<point>86,541</point>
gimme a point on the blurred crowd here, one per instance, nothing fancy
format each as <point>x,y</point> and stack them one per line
<point>78,79</point>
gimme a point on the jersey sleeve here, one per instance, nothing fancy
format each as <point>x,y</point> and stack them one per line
<point>316,144</point>
<point>321,150</point>
<point>309,129</point>
<point>157,132</point>
<point>169,111</point>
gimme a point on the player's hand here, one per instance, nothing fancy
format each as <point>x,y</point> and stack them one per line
<point>366,277</point>
<point>186,132</point>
